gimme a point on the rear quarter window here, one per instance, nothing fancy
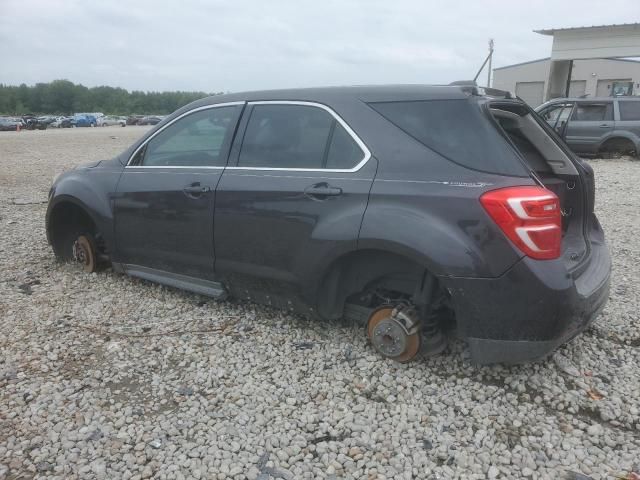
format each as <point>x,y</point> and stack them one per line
<point>629,110</point>
<point>456,129</point>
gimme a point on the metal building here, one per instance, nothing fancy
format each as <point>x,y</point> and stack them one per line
<point>583,61</point>
<point>596,78</point>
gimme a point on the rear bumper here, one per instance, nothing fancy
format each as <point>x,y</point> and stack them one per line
<point>528,312</point>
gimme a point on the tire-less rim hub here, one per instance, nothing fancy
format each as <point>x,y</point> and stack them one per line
<point>84,254</point>
<point>394,333</point>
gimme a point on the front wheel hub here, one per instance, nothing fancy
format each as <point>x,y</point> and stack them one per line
<point>395,333</point>
<point>84,253</point>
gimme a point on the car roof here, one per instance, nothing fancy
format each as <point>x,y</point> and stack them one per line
<point>593,99</point>
<point>367,93</point>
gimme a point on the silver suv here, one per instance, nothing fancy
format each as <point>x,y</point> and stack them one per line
<point>606,126</point>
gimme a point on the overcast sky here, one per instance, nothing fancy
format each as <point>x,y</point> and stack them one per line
<point>236,45</point>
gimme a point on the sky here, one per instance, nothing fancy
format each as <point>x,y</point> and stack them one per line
<point>237,45</point>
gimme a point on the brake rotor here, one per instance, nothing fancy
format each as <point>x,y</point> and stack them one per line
<point>389,337</point>
<point>84,253</point>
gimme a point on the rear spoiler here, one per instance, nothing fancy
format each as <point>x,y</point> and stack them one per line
<point>471,88</point>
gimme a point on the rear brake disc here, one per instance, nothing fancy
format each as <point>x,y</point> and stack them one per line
<point>390,337</point>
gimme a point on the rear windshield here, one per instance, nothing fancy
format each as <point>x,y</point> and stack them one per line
<point>456,129</point>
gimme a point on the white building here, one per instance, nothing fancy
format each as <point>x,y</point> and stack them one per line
<point>584,61</point>
<point>594,77</point>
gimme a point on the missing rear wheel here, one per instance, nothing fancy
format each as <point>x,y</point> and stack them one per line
<point>390,336</point>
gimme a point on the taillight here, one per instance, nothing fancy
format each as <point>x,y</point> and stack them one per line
<point>529,216</point>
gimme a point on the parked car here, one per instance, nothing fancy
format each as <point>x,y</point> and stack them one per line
<point>134,119</point>
<point>150,120</point>
<point>46,119</point>
<point>8,124</point>
<point>84,121</point>
<point>62,122</point>
<point>607,127</point>
<point>35,123</point>
<point>413,209</point>
<point>110,120</point>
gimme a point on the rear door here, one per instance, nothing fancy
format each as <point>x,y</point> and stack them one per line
<point>589,126</point>
<point>293,195</point>
<point>629,118</point>
<point>164,202</point>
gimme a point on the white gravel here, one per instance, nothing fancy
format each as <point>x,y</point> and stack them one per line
<point>104,376</point>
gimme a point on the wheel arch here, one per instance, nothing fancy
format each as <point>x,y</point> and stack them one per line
<point>66,211</point>
<point>619,137</point>
<point>354,271</point>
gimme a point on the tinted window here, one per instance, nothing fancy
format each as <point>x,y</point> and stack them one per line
<point>296,136</point>
<point>593,112</point>
<point>193,141</point>
<point>629,110</point>
<point>343,152</point>
<point>456,129</point>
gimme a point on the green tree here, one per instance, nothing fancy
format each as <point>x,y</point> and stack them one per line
<point>65,97</point>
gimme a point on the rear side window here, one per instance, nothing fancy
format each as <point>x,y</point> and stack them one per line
<point>593,112</point>
<point>456,129</point>
<point>297,136</point>
<point>629,110</point>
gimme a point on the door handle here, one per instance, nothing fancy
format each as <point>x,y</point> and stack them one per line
<point>605,125</point>
<point>195,190</point>
<point>320,191</point>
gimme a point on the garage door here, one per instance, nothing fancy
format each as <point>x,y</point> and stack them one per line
<point>530,92</point>
<point>577,88</point>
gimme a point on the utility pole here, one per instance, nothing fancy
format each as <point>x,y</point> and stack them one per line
<point>490,58</point>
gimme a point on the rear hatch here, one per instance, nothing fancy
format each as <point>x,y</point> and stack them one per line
<point>554,166</point>
<point>494,133</point>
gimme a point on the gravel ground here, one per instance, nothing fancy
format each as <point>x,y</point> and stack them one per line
<point>104,376</point>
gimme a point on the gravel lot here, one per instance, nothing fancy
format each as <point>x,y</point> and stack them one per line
<point>104,376</point>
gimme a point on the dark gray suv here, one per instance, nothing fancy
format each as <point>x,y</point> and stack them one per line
<point>607,127</point>
<point>418,210</point>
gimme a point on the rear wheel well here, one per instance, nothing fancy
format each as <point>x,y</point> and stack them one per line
<point>618,146</point>
<point>374,277</point>
<point>66,222</point>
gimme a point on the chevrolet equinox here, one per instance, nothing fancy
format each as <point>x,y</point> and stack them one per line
<point>420,211</point>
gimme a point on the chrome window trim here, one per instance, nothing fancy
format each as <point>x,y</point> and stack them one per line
<point>360,143</point>
<point>205,107</point>
<point>175,166</point>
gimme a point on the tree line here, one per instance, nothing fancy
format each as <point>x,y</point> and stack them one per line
<point>62,97</point>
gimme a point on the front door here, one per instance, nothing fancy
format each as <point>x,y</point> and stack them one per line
<point>589,126</point>
<point>557,115</point>
<point>295,196</point>
<point>165,196</point>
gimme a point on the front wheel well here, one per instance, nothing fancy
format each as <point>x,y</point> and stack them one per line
<point>66,221</point>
